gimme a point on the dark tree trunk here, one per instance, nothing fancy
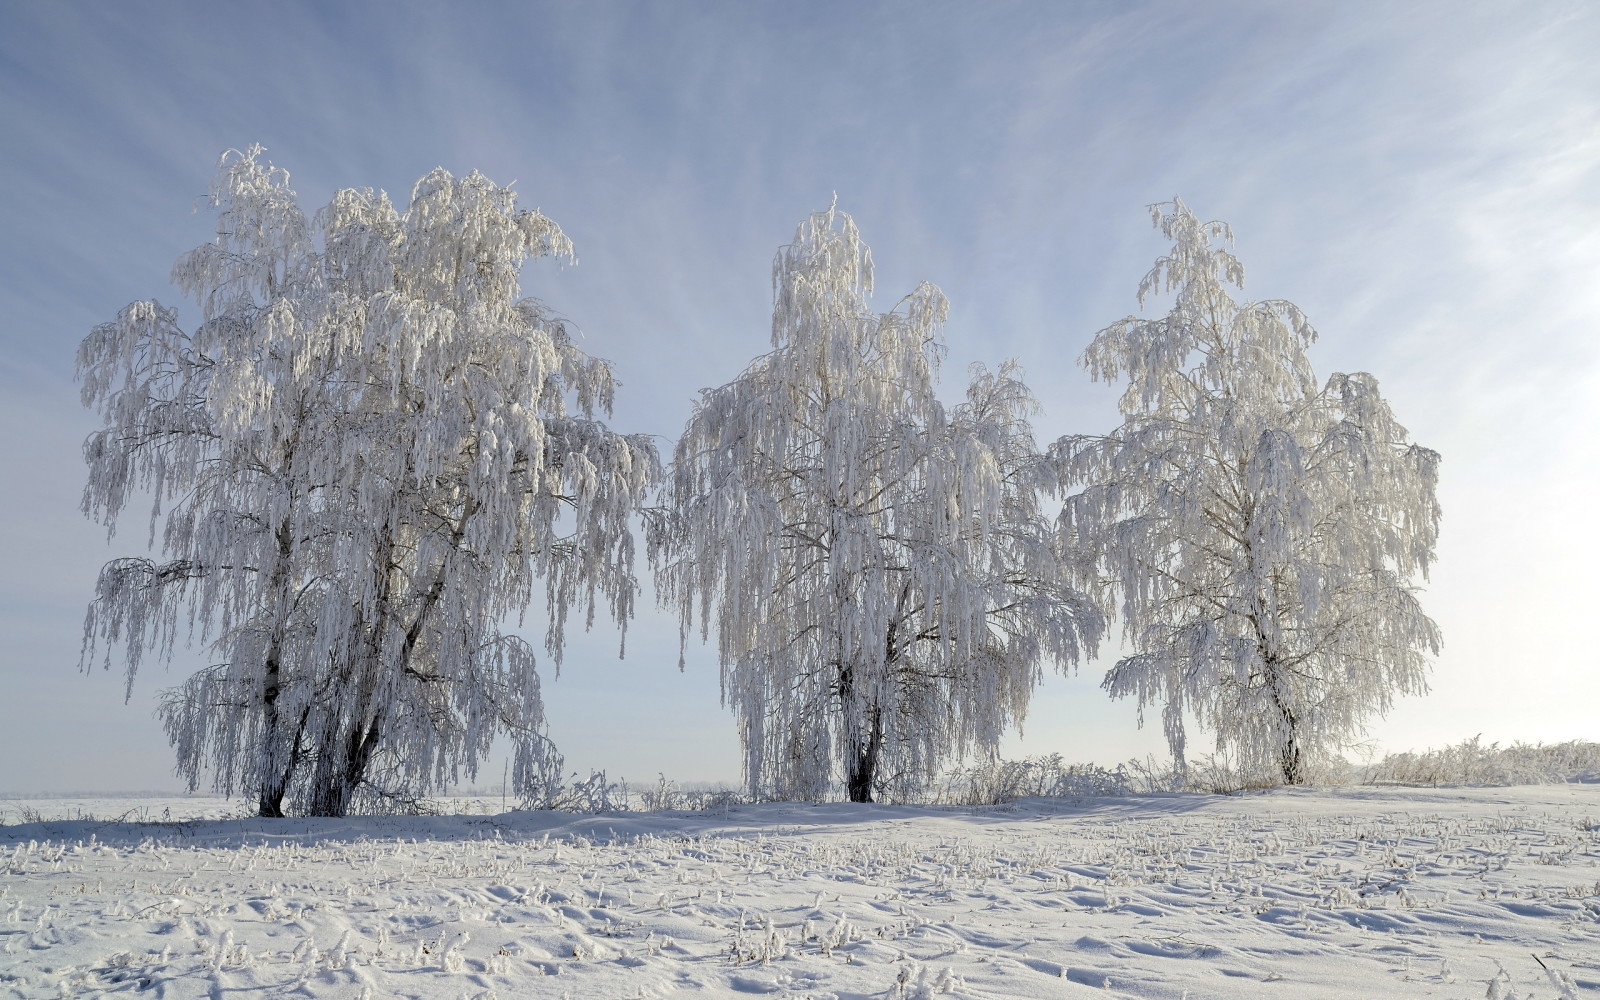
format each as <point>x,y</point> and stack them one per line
<point>864,743</point>
<point>1291,761</point>
<point>330,796</point>
<point>340,774</point>
<point>342,765</point>
<point>274,776</point>
<point>275,771</point>
<point>863,772</point>
<point>276,785</point>
<point>271,801</point>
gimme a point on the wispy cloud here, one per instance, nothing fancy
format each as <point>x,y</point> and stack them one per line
<point>1421,178</point>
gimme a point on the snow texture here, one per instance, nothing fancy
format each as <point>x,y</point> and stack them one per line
<point>1344,893</point>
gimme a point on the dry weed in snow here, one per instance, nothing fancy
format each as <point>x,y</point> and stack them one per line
<point>1358,893</point>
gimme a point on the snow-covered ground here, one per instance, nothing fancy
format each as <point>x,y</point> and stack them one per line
<point>1348,892</point>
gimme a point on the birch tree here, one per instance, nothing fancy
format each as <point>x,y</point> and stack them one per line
<point>1261,535</point>
<point>368,453</point>
<point>877,570</point>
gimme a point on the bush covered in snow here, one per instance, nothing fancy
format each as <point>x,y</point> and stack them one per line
<point>1470,762</point>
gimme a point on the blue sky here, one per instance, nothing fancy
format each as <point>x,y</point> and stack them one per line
<point>1421,178</point>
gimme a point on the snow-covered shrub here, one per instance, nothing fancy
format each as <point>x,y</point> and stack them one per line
<point>998,781</point>
<point>594,794</point>
<point>1471,762</point>
<point>1223,774</point>
<point>668,796</point>
<point>995,781</point>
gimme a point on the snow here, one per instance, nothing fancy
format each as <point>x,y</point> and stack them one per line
<point>1343,892</point>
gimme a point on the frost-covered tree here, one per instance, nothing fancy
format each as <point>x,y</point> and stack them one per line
<point>368,453</point>
<point>882,582</point>
<point>1259,534</point>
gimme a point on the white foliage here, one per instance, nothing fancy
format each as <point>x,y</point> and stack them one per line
<point>369,452</point>
<point>1259,535</point>
<point>882,582</point>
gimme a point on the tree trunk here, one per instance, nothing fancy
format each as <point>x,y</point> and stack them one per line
<point>1291,762</point>
<point>342,763</point>
<point>274,771</point>
<point>863,766</point>
<point>330,792</point>
<point>863,748</point>
<point>276,784</point>
<point>271,800</point>
<point>342,768</point>
<point>333,792</point>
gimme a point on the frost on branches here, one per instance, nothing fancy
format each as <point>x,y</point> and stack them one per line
<point>369,452</point>
<point>1260,535</point>
<point>882,581</point>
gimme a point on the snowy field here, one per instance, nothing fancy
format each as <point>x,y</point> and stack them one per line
<point>1348,892</point>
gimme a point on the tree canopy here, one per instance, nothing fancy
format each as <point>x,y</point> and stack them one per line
<point>1259,534</point>
<point>882,582</point>
<point>369,452</point>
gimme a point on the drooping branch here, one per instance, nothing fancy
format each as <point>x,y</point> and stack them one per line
<point>1262,531</point>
